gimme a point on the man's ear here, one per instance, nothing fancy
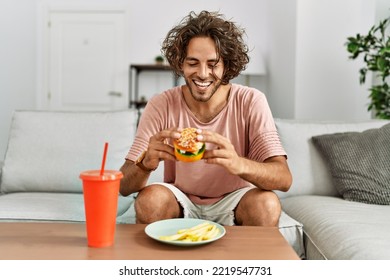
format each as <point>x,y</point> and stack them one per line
<point>181,68</point>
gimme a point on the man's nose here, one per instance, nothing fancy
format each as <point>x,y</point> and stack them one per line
<point>204,71</point>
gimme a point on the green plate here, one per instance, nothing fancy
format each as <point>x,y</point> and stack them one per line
<point>171,226</point>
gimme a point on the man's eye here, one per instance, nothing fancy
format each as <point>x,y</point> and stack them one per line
<point>214,65</point>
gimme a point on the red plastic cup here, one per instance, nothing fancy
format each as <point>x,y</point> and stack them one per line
<point>101,204</point>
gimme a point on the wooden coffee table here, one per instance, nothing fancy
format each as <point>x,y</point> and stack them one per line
<point>67,241</point>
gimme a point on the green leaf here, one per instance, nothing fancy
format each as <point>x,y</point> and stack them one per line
<point>375,49</point>
<point>363,73</point>
<point>352,47</point>
<point>385,50</point>
<point>381,64</point>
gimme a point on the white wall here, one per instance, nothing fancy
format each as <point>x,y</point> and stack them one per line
<point>311,76</point>
<point>280,56</point>
<point>382,10</point>
<point>17,61</point>
<point>308,73</point>
<point>333,91</point>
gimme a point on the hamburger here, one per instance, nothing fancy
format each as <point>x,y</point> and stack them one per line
<point>187,147</point>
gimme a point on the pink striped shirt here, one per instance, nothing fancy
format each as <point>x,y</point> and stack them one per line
<point>246,120</point>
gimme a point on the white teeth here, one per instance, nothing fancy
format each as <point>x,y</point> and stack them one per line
<point>200,84</point>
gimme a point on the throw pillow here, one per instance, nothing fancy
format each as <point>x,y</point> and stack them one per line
<point>359,163</point>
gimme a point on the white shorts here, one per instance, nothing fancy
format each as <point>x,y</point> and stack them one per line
<point>221,212</point>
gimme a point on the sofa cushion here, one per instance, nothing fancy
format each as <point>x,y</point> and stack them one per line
<point>359,163</point>
<point>48,150</point>
<point>292,231</point>
<point>310,172</point>
<point>338,229</point>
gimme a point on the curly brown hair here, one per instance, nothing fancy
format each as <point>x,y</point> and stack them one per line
<point>228,38</point>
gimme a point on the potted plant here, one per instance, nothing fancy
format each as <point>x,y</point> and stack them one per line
<point>375,49</point>
<point>159,59</point>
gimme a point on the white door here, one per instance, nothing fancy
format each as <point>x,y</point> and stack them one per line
<point>87,65</point>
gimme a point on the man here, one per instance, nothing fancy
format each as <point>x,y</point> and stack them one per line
<point>244,161</point>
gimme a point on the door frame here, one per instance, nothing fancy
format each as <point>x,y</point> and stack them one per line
<point>44,8</point>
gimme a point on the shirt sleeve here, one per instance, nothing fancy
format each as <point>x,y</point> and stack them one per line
<point>264,141</point>
<point>150,123</point>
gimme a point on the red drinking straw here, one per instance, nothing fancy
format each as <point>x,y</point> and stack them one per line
<point>104,158</point>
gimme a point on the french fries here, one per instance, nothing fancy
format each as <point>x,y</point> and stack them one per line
<point>203,231</point>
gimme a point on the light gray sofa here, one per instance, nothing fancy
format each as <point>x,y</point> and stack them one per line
<point>48,150</point>
<point>334,228</point>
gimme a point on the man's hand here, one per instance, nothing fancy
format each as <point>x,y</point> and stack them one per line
<point>159,148</point>
<point>272,174</point>
<point>222,152</point>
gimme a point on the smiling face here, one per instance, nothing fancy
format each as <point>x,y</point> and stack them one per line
<point>202,71</point>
